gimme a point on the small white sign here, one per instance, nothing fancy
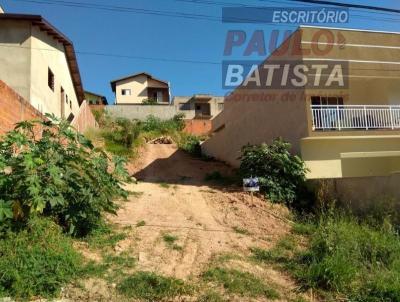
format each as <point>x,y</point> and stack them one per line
<point>251,184</point>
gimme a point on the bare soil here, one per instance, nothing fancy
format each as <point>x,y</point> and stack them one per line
<point>209,219</point>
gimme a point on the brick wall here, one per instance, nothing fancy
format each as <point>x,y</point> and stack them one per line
<point>13,109</point>
<point>85,119</point>
<point>198,127</point>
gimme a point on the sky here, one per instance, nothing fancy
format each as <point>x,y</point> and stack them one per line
<point>111,44</point>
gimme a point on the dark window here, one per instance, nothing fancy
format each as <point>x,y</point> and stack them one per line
<point>70,105</point>
<point>126,92</point>
<point>66,98</point>
<point>50,79</point>
<point>322,100</point>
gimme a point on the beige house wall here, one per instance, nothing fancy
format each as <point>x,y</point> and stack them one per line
<point>15,56</point>
<point>25,55</point>
<point>49,53</point>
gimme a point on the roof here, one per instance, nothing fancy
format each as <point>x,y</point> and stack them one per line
<point>98,95</point>
<point>44,25</point>
<point>113,83</point>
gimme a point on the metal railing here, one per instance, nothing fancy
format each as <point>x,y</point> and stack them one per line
<point>357,117</point>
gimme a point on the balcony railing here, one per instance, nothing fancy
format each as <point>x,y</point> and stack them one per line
<point>355,117</point>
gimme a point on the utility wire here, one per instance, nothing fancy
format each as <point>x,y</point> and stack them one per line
<point>258,62</point>
<point>175,14</point>
<point>350,5</point>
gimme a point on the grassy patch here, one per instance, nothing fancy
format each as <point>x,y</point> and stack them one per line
<point>211,296</point>
<point>241,231</point>
<point>112,267</point>
<point>241,283</point>
<point>345,257</point>
<point>37,261</point>
<point>104,237</point>
<point>170,241</point>
<point>152,287</point>
<point>164,185</point>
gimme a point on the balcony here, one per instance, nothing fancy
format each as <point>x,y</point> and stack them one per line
<point>355,117</point>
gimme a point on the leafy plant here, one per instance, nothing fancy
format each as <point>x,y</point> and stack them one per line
<point>191,144</point>
<point>58,174</point>
<point>162,127</point>
<point>121,135</point>
<point>36,261</point>
<point>281,174</point>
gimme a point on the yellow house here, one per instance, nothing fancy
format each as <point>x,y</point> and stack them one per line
<point>345,131</point>
<point>39,63</point>
<point>139,87</point>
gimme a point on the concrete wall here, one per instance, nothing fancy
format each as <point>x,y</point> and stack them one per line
<point>84,120</point>
<point>139,89</point>
<point>246,121</point>
<point>14,108</point>
<point>49,53</point>
<point>351,156</point>
<point>141,111</point>
<point>15,55</point>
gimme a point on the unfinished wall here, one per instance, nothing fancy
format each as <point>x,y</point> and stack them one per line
<point>84,120</point>
<point>198,127</point>
<point>14,108</point>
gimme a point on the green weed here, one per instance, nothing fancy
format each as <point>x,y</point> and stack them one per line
<point>170,241</point>
<point>36,261</point>
<point>152,287</point>
<point>241,283</point>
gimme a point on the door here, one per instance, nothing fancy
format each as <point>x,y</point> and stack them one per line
<point>159,96</point>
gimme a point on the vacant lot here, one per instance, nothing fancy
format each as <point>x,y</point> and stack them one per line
<point>184,221</point>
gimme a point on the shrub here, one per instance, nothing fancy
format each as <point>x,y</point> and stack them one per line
<point>280,173</point>
<point>163,127</point>
<point>60,175</point>
<point>121,135</point>
<point>190,143</point>
<point>36,261</point>
<point>151,287</point>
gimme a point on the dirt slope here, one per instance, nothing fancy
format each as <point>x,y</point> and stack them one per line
<point>208,219</point>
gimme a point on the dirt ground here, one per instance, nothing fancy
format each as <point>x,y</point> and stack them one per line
<point>177,200</point>
<point>209,219</point>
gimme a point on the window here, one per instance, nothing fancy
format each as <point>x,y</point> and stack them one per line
<point>66,98</point>
<point>323,100</point>
<point>50,79</point>
<point>126,92</point>
<point>70,105</point>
